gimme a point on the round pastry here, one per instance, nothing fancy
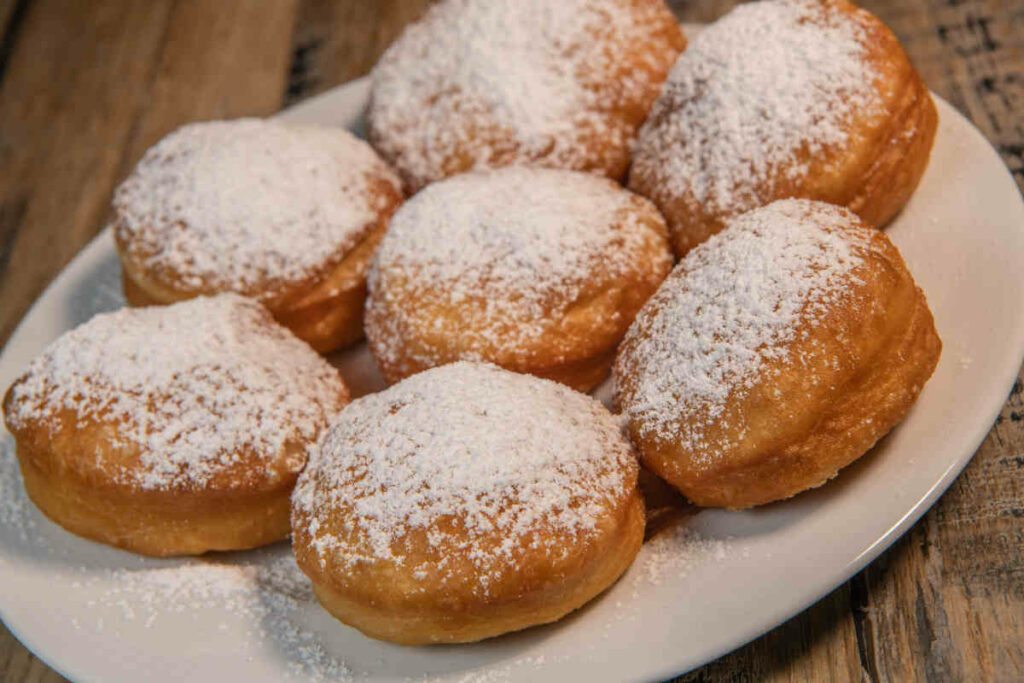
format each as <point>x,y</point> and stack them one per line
<point>289,215</point>
<point>464,503</point>
<point>489,83</point>
<point>172,430</point>
<point>776,353</point>
<point>536,270</point>
<point>785,98</point>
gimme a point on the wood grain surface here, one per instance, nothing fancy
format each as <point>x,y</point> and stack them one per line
<point>86,87</point>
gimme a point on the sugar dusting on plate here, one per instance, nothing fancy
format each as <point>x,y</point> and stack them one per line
<point>262,588</point>
<point>674,553</point>
<point>267,594</point>
<point>266,590</point>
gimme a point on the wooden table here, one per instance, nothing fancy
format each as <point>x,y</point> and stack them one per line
<point>86,87</point>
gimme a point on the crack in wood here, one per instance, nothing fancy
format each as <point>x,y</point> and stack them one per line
<point>11,214</point>
<point>970,37</point>
<point>302,78</point>
<point>859,601</point>
<point>10,35</point>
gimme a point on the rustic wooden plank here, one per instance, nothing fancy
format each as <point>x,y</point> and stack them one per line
<point>8,10</point>
<point>949,598</point>
<point>819,645</point>
<point>971,52</point>
<point>337,41</point>
<point>702,11</point>
<point>221,59</point>
<point>944,603</point>
<point>12,15</point>
<point>67,101</point>
<point>89,87</point>
<point>18,665</point>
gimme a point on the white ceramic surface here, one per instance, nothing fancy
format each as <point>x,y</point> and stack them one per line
<point>683,603</point>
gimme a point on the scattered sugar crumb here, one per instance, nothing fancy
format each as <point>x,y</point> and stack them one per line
<point>15,507</point>
<point>674,552</point>
<point>267,594</point>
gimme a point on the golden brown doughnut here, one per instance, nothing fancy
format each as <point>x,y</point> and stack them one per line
<point>776,353</point>
<point>286,214</point>
<point>488,83</point>
<point>536,270</point>
<point>466,502</point>
<point>785,98</point>
<point>172,430</point>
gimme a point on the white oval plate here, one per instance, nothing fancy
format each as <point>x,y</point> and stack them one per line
<point>721,579</point>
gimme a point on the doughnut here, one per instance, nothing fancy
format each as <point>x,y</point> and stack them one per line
<point>536,270</point>
<point>466,502</point>
<point>289,215</point>
<point>776,353</point>
<point>812,99</point>
<point>172,430</point>
<point>489,83</point>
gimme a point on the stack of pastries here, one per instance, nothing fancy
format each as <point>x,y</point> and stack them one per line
<point>483,493</point>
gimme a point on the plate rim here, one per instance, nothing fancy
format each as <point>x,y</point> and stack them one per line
<point>353,89</point>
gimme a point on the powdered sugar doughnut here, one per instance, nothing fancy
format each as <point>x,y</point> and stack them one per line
<point>489,83</point>
<point>776,353</point>
<point>286,214</point>
<point>466,502</point>
<point>536,270</point>
<point>172,430</point>
<point>785,98</point>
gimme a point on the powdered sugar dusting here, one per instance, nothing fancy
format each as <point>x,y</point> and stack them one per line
<point>674,553</point>
<point>755,96</point>
<point>268,592</point>
<point>494,78</point>
<point>249,205</point>
<point>731,305</point>
<point>15,507</point>
<point>264,588</point>
<point>502,454</point>
<point>191,387</point>
<point>526,242</point>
